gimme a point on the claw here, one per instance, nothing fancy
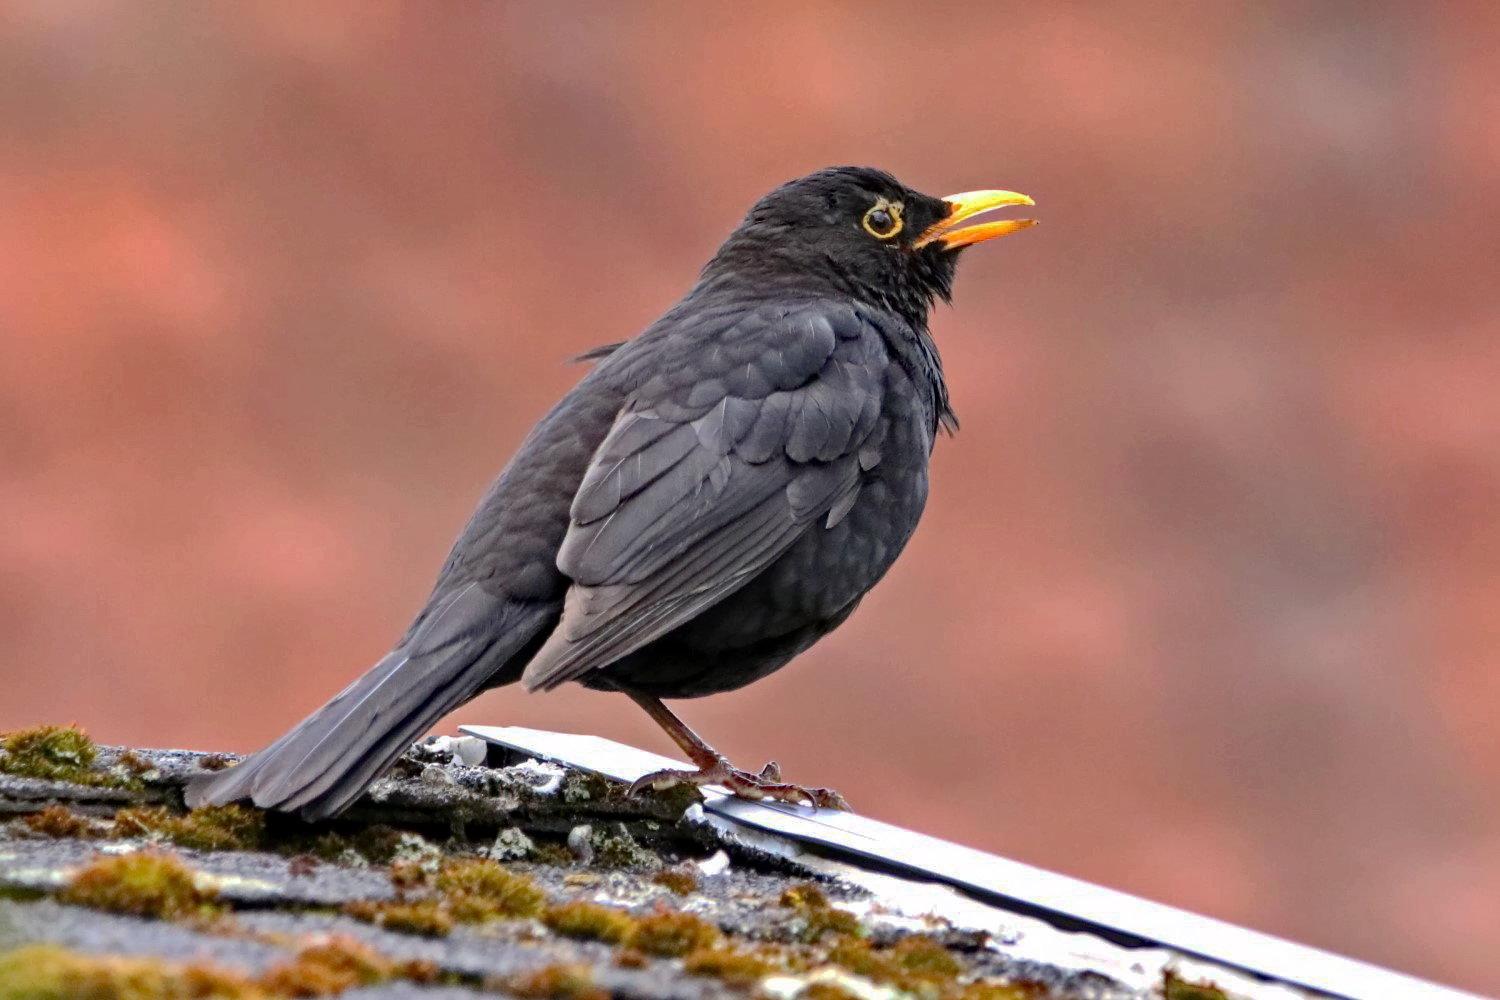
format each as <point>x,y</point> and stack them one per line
<point>755,787</point>
<point>658,781</point>
<point>827,798</point>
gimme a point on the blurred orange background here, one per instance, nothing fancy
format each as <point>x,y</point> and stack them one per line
<point>1206,605</point>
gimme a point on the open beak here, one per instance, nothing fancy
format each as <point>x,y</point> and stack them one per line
<point>967,205</point>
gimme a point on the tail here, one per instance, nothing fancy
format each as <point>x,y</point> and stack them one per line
<point>330,758</point>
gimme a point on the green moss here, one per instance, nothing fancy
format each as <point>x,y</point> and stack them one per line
<point>57,753</point>
<point>677,799</point>
<point>479,889</point>
<point>589,921</point>
<point>338,963</point>
<point>621,850</point>
<point>426,917</point>
<point>379,844</point>
<point>144,884</point>
<point>818,916</point>
<point>1174,988</point>
<point>337,848</point>
<point>221,828</point>
<point>586,786</point>
<point>1003,991</point>
<point>551,852</point>
<point>926,958</point>
<point>384,845</point>
<point>681,880</point>
<point>423,970</point>
<point>47,972</point>
<point>409,875</point>
<point>805,896</point>
<point>671,934</point>
<point>141,821</point>
<point>631,958</point>
<point>831,921</point>
<point>133,764</point>
<point>210,828</point>
<point>47,749</point>
<point>465,891</point>
<point>733,966</point>
<point>328,968</point>
<point>60,821</point>
<point>375,845</point>
<point>207,828</point>
<point>556,982</point>
<point>917,965</point>
<point>825,991</point>
<point>214,761</point>
<point>856,956</point>
<point>20,894</point>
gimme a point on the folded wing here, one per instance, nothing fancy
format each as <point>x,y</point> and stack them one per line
<point>705,480</point>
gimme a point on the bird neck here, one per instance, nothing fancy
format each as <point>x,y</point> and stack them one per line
<point>904,331</point>
<point>763,266</point>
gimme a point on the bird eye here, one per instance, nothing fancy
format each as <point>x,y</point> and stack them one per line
<point>883,221</point>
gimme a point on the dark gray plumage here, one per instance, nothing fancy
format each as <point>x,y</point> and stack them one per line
<point>711,499</point>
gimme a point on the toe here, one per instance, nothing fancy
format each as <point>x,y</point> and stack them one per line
<point>771,772</point>
<point>827,798</point>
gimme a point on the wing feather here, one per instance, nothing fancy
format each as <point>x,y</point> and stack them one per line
<point>702,484</point>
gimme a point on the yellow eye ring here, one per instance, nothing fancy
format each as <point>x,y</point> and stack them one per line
<point>883,220</point>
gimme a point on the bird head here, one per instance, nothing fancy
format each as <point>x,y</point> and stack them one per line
<point>860,232</point>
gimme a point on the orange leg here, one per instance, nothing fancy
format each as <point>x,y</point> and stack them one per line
<point>715,769</point>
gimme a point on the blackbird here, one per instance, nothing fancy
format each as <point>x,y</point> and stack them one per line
<point>711,499</point>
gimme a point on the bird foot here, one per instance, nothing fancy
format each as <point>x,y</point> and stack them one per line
<point>765,785</point>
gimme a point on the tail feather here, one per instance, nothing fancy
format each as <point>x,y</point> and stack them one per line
<point>330,758</point>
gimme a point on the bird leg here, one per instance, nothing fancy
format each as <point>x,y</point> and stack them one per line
<point>715,769</point>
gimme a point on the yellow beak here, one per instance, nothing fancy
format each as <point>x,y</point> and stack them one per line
<point>966,206</point>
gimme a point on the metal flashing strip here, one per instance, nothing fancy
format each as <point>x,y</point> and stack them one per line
<point>1067,903</point>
